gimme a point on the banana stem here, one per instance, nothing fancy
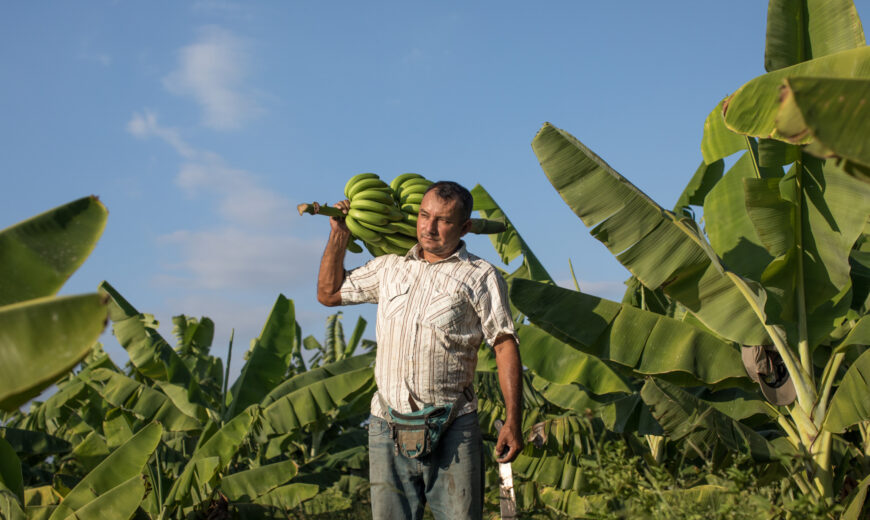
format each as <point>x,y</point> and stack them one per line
<point>479,226</point>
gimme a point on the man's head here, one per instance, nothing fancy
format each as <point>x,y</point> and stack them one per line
<point>443,219</point>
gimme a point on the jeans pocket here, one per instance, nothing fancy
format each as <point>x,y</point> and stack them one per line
<point>378,427</point>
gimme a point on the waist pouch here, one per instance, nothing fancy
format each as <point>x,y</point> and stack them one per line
<point>416,434</point>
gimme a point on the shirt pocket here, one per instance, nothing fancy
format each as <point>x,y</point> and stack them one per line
<point>446,310</point>
<point>396,299</point>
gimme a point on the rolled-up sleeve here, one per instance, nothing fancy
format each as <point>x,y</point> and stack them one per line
<point>493,308</point>
<point>361,285</point>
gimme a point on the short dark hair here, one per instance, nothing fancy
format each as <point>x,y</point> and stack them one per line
<point>450,190</point>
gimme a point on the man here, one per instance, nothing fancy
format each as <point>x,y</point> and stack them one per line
<point>435,307</point>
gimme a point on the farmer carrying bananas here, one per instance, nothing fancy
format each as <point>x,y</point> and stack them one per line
<point>435,306</point>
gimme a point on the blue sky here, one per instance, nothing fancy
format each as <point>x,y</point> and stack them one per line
<point>202,124</point>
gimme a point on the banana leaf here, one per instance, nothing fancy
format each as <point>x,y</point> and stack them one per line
<point>116,471</point>
<point>808,220</point>
<point>355,338</point>
<point>509,244</point>
<point>43,339</point>
<point>209,457</point>
<point>645,342</point>
<point>705,177</point>
<point>317,374</point>
<point>656,246</point>
<point>268,359</point>
<point>857,501</point>
<point>290,496</point>
<point>560,363</point>
<point>29,443</point>
<point>38,255</point>
<point>10,471</point>
<point>246,486</point>
<point>752,110</point>
<point>834,113</point>
<point>850,404</point>
<point>718,141</point>
<point>681,415</point>
<point>308,403</point>
<point>802,30</point>
<point>149,352</point>
<point>120,502</point>
<point>143,401</point>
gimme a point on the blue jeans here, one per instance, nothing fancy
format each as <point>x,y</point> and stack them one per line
<point>450,478</point>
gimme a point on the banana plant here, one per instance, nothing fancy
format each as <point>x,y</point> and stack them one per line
<point>44,335</point>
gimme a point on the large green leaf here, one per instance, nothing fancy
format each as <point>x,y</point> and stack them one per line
<point>705,177</point>
<point>850,404</point>
<point>682,415</point>
<point>39,254</point>
<point>149,352</point>
<point>29,443</point>
<point>248,485</point>
<point>209,458</point>
<point>122,465</point>
<point>752,110</point>
<point>652,243</point>
<point>42,339</point>
<point>718,142</point>
<point>305,405</point>
<point>833,112</point>
<point>645,342</point>
<point>143,401</point>
<point>508,244</point>
<point>289,497</point>
<point>809,221</point>
<point>728,225</point>
<point>268,359</point>
<point>800,30</point>
<point>560,363</point>
<point>317,374</point>
<point>120,502</point>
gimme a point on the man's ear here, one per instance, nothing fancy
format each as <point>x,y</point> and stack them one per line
<point>466,227</point>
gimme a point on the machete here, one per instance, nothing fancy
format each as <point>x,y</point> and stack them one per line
<point>507,500</point>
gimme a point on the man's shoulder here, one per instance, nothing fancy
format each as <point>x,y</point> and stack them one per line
<point>483,267</point>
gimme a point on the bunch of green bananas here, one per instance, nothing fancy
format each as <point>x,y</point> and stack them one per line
<point>409,189</point>
<point>375,217</point>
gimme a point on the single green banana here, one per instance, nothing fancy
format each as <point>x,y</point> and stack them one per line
<point>402,178</point>
<point>353,247</point>
<point>411,208</point>
<point>355,179</point>
<point>404,228</point>
<point>411,218</point>
<point>394,249</point>
<point>400,241</point>
<point>366,185</point>
<point>375,250</point>
<point>414,183</point>
<point>376,195</point>
<point>368,217</point>
<point>361,232</point>
<point>373,205</point>
<point>412,198</point>
<point>383,230</point>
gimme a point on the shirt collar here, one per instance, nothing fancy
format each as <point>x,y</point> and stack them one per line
<point>416,253</point>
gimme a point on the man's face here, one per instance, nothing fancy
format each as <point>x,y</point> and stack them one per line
<point>440,226</point>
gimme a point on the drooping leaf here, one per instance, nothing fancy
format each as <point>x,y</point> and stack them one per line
<point>251,484</point>
<point>850,404</point>
<point>120,502</point>
<point>38,255</point>
<point>355,337</point>
<point>833,113</point>
<point>858,501</point>
<point>317,374</point>
<point>682,414</point>
<point>10,471</point>
<point>122,465</point>
<point>268,360</point>
<point>646,342</point>
<point>28,443</point>
<point>560,363</point>
<point>289,497</point>
<point>43,339</point>
<point>798,31</point>
<point>652,243</point>
<point>752,110</point>
<point>508,244</point>
<point>719,141</point>
<point>705,177</point>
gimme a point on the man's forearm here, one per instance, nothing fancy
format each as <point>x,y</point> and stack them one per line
<point>510,378</point>
<point>331,274</point>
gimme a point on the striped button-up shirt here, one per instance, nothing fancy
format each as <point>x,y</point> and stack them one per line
<point>431,320</point>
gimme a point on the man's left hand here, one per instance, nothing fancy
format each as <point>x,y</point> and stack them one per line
<point>509,444</point>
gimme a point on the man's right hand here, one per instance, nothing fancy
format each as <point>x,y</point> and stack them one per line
<point>337,224</point>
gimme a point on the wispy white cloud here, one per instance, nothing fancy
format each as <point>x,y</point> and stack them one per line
<point>213,71</point>
<point>249,246</point>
